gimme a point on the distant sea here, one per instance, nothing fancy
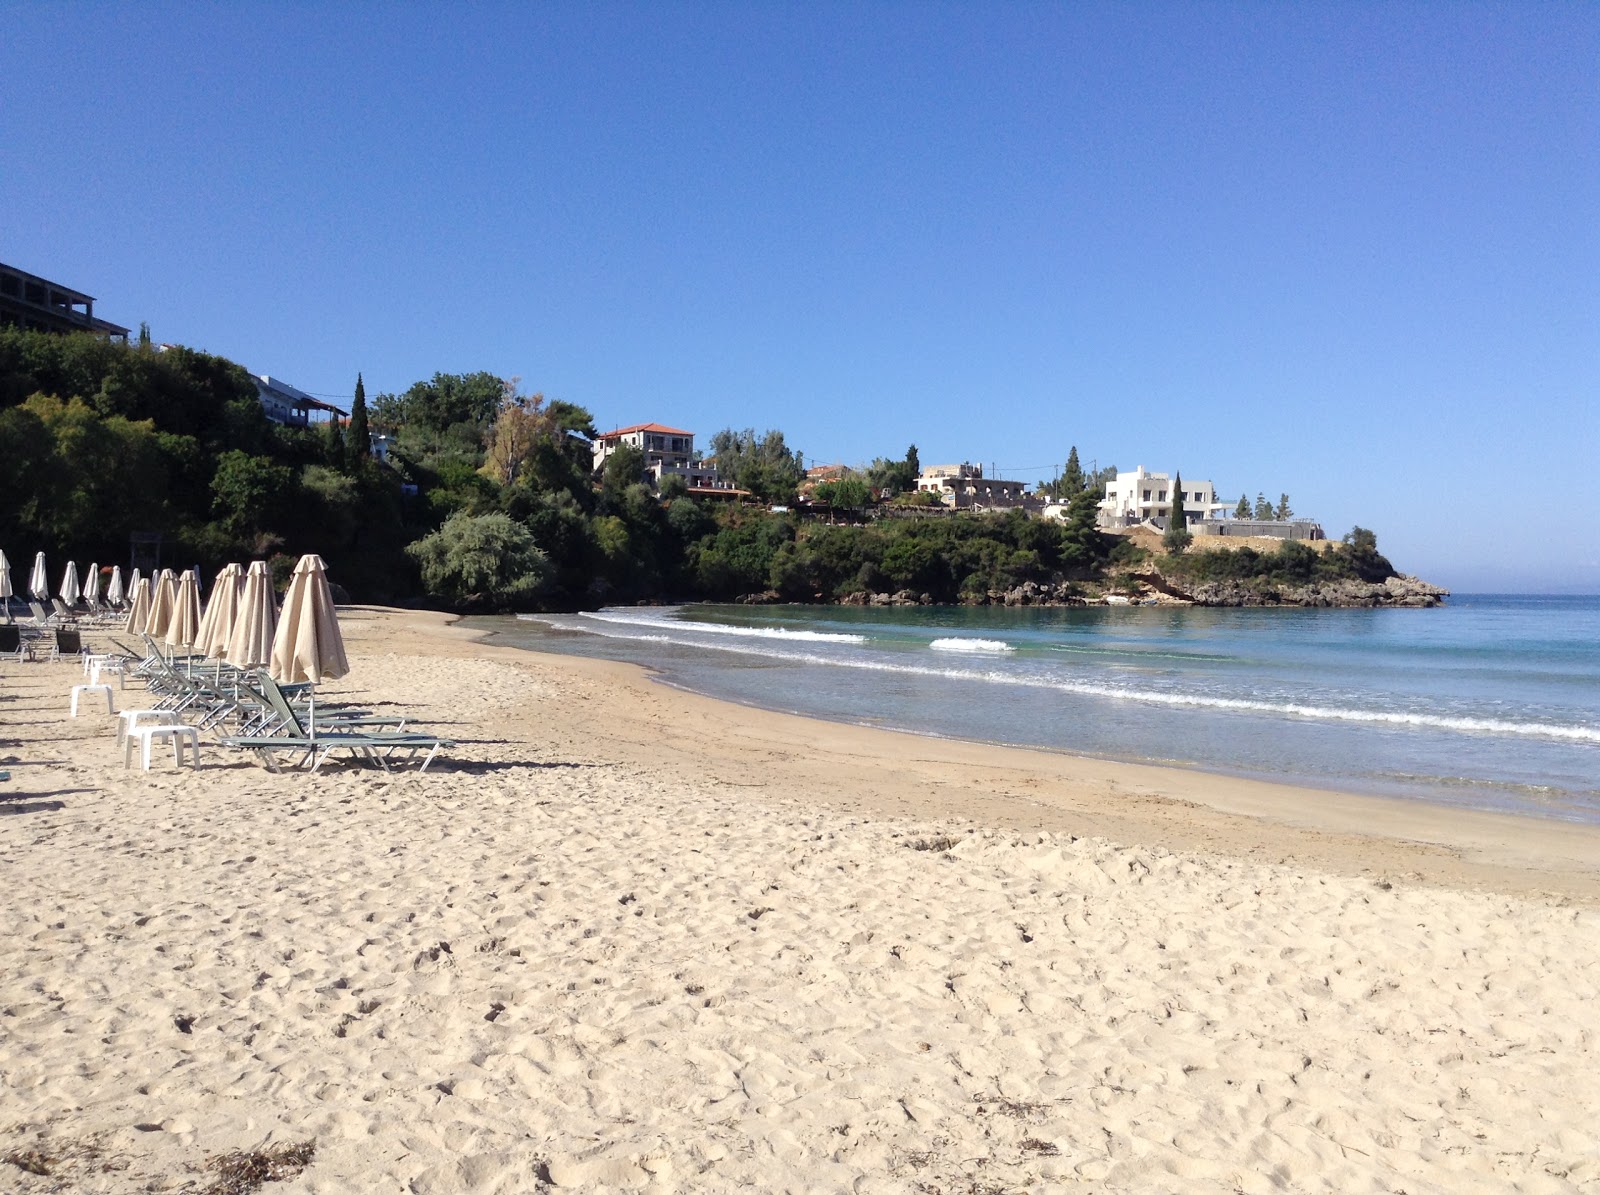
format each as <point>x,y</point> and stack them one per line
<point>1489,702</point>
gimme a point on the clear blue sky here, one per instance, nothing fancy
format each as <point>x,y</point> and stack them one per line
<point>1351,252</point>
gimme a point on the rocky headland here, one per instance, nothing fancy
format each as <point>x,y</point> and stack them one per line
<point>1151,587</point>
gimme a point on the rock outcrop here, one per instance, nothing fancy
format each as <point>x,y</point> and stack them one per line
<point>1396,591</point>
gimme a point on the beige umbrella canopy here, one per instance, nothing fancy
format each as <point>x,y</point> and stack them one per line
<point>250,641</point>
<point>91,585</point>
<point>71,587</point>
<point>217,621</point>
<point>308,645</point>
<point>163,597</point>
<point>139,607</point>
<point>183,628</point>
<point>115,593</point>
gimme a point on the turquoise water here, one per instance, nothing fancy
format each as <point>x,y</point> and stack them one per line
<point>1488,702</point>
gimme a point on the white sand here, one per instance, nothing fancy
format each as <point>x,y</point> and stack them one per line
<point>626,939</point>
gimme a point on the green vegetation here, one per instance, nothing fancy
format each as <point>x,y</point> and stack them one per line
<point>1178,536</point>
<point>488,498</point>
<point>892,478</point>
<point>764,465</point>
<point>1294,563</point>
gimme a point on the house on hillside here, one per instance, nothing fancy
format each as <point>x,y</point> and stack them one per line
<point>283,403</point>
<point>666,450</point>
<point>663,446</point>
<point>29,301</point>
<point>1135,497</point>
<point>964,487</point>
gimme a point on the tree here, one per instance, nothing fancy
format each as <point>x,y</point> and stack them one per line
<point>446,400</point>
<point>1283,513</point>
<point>358,445</point>
<point>623,468</point>
<point>516,430</point>
<point>251,495</point>
<point>333,445</point>
<point>1100,479</point>
<point>481,560</point>
<point>764,465</point>
<point>1178,537</point>
<point>890,477</point>
<point>1263,507</point>
<point>1072,480</point>
<point>1361,550</point>
<point>847,493</point>
<point>1242,511</point>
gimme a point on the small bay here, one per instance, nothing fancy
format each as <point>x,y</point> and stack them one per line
<point>1489,702</point>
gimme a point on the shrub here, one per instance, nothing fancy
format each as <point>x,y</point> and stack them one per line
<point>489,560</point>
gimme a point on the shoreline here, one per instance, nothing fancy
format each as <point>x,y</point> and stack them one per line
<point>1288,781</point>
<point>1039,789</point>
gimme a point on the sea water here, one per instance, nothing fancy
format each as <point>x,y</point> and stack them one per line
<point>1488,702</point>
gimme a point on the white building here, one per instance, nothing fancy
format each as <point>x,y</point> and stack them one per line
<point>1134,497</point>
<point>666,450</point>
<point>670,447</point>
<point>965,487</point>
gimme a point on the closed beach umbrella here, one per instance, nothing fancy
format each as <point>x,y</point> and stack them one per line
<point>114,591</point>
<point>71,587</point>
<point>250,641</point>
<point>183,628</point>
<point>139,608</point>
<point>133,579</point>
<point>217,622</point>
<point>39,583</point>
<point>309,645</point>
<point>163,597</point>
<point>5,585</point>
<point>91,584</point>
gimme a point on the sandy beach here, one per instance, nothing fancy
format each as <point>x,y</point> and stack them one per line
<point>626,938</point>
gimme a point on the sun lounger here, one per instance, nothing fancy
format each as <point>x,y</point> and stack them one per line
<point>312,740</point>
<point>13,644</point>
<point>67,643</point>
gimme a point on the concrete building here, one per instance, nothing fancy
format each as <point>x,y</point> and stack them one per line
<point>666,450</point>
<point>964,487</point>
<point>1135,497</point>
<point>669,447</point>
<point>289,406</point>
<point>29,301</point>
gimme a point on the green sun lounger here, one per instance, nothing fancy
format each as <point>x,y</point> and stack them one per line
<point>313,740</point>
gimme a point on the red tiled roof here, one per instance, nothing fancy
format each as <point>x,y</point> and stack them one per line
<point>645,427</point>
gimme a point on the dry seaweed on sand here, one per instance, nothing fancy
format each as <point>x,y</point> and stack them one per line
<point>243,1171</point>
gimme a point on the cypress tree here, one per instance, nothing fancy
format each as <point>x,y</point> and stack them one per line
<point>333,445</point>
<point>358,444</point>
<point>1178,536</point>
<point>1242,511</point>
